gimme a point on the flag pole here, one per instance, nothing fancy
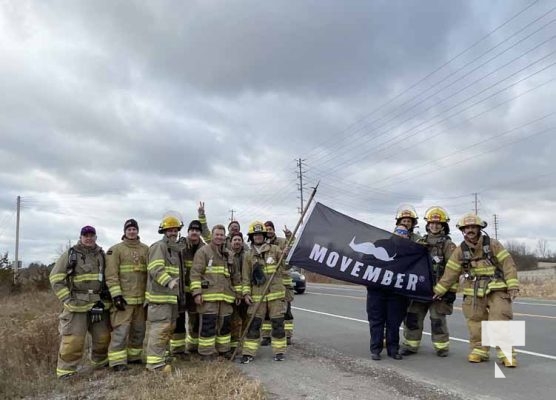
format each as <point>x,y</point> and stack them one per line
<point>268,281</point>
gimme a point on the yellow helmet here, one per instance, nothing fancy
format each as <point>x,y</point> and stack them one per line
<point>406,211</point>
<point>256,227</point>
<point>436,214</point>
<point>170,220</point>
<point>471,219</point>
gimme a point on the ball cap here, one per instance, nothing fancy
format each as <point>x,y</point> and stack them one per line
<point>195,224</point>
<point>88,229</point>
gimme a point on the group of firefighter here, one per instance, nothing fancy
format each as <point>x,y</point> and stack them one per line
<point>203,292</point>
<point>196,292</point>
<point>485,269</point>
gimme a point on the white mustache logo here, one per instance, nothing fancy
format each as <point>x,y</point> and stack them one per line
<point>379,253</point>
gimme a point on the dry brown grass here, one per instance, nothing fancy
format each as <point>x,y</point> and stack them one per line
<point>29,346</point>
<point>540,288</point>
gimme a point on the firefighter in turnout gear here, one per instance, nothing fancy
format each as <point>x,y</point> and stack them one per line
<point>489,287</point>
<point>239,314</point>
<point>78,281</point>
<point>182,343</point>
<point>271,238</point>
<point>212,289</point>
<point>407,216</point>
<point>165,290</point>
<point>259,264</point>
<point>126,278</point>
<point>440,248</point>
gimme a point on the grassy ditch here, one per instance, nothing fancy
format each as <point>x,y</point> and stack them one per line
<point>29,347</point>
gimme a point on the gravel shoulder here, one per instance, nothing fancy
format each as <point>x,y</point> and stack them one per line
<point>314,372</point>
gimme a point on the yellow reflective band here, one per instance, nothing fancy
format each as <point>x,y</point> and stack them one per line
<point>131,352</point>
<point>270,296</point>
<point>117,355</point>
<point>124,269</point>
<point>512,283</point>
<point>155,359</point>
<point>191,340</point>
<point>233,344</point>
<point>99,363</point>
<point>223,339</point>
<point>195,285</point>
<point>237,288</point>
<point>502,255</point>
<point>217,270</point>
<point>471,292</point>
<point>439,289</point>
<point>267,326</point>
<point>207,342</point>
<point>115,290</point>
<point>57,278</point>
<point>163,279</point>
<point>172,270</point>
<point>175,343</point>
<point>161,298</point>
<point>73,308</point>
<point>440,345</point>
<point>480,352</point>
<point>251,344</point>
<point>414,344</point>
<point>63,293</point>
<point>454,287</point>
<point>288,325</point>
<point>279,343</point>
<point>454,266</point>
<point>155,264</point>
<point>135,300</point>
<point>270,269</point>
<point>188,263</point>
<point>218,297</point>
<point>61,372</point>
<point>87,278</point>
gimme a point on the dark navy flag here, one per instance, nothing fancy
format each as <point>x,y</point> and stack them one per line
<point>344,248</point>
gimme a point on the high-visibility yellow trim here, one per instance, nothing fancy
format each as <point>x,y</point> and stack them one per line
<point>270,269</point>
<point>130,268</point>
<point>512,283</point>
<point>135,300</point>
<point>188,263</point>
<point>270,296</point>
<point>115,290</point>
<point>195,285</point>
<point>207,342</point>
<point>439,289</point>
<point>155,359</point>
<point>251,344</point>
<point>502,255</point>
<point>453,266</point>
<point>223,339</point>
<point>155,264</point>
<point>57,278</point>
<point>87,277</point>
<point>218,297</point>
<point>62,372</point>
<point>440,345</point>
<point>279,344</point>
<point>100,363</point>
<point>412,344</point>
<point>163,279</point>
<point>114,356</point>
<point>74,308</point>
<point>161,298</point>
<point>131,352</point>
<point>63,293</point>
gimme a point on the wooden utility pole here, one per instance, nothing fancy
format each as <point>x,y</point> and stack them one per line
<point>476,203</point>
<point>232,214</point>
<point>16,263</point>
<point>495,227</point>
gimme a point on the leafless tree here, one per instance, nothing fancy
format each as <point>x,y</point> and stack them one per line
<point>542,248</point>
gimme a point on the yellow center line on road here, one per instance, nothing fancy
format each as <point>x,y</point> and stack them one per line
<point>455,307</point>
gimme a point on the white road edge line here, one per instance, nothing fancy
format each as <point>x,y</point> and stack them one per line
<point>357,288</point>
<point>531,353</point>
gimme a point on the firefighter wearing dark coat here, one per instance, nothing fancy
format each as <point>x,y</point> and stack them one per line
<point>78,281</point>
<point>385,309</point>
<point>489,287</point>
<point>440,248</point>
<point>239,314</point>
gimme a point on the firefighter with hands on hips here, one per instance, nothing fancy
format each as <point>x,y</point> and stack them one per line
<point>126,278</point>
<point>213,291</point>
<point>182,343</point>
<point>440,248</point>
<point>78,281</point>
<point>489,287</point>
<point>165,290</point>
<point>282,243</point>
<point>239,314</point>
<point>260,262</point>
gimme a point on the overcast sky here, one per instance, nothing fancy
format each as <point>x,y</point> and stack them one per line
<point>118,109</point>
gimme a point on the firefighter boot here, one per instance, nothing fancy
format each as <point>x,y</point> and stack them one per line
<point>474,358</point>
<point>509,363</point>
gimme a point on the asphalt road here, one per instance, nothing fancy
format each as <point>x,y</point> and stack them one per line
<point>335,316</point>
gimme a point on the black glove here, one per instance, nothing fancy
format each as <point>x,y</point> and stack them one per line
<point>120,302</point>
<point>258,277</point>
<point>97,311</point>
<point>449,297</point>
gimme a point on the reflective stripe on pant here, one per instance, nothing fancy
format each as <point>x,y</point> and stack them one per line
<point>73,328</point>
<point>162,322</point>
<point>288,320</point>
<point>215,327</point>
<point>496,306</point>
<point>177,343</point>
<point>414,324</point>
<point>192,336</point>
<point>128,333</point>
<point>275,310</point>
